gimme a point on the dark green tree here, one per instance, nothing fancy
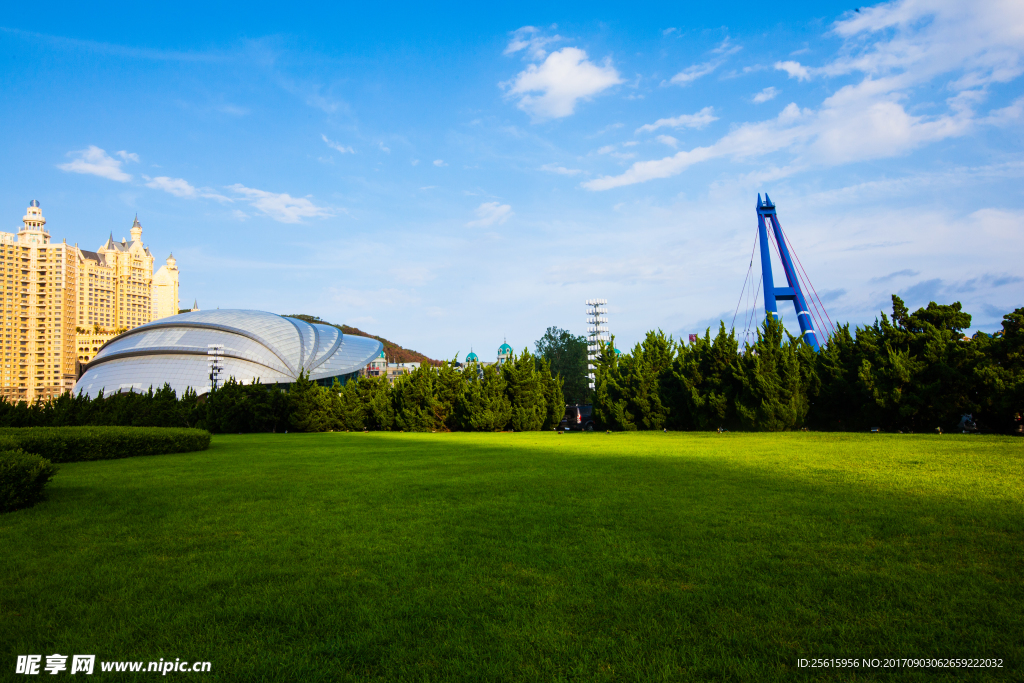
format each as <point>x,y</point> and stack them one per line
<point>525,393</point>
<point>771,396</point>
<point>484,406</point>
<point>449,385</point>
<point>416,406</point>
<point>309,406</point>
<point>702,389</point>
<point>566,355</point>
<point>376,395</point>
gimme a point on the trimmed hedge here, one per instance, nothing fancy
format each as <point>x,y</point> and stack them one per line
<point>72,444</point>
<point>22,478</point>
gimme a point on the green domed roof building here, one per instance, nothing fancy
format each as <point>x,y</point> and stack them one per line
<point>504,353</point>
<point>472,358</point>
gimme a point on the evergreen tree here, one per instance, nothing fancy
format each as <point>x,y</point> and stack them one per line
<point>771,396</point>
<point>611,396</point>
<point>1001,374</point>
<point>702,388</point>
<point>377,397</point>
<point>416,406</point>
<point>551,386</point>
<point>525,393</point>
<point>309,406</point>
<point>449,386</point>
<point>484,405</point>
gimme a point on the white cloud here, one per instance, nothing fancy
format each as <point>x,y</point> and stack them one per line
<point>179,187</point>
<point>490,213</point>
<point>668,140</point>
<point>1007,115</point>
<point>607,149</point>
<point>128,156</point>
<point>337,145</point>
<point>415,162</point>
<point>439,162</point>
<point>698,121</point>
<point>692,73</point>
<point>794,69</point>
<point>561,170</point>
<point>528,38</point>
<point>897,46</point>
<point>95,161</point>
<point>281,207</point>
<point>669,31</point>
<point>384,148</point>
<point>564,78</point>
<point>765,95</point>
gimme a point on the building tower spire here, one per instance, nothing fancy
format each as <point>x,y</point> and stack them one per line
<point>136,230</point>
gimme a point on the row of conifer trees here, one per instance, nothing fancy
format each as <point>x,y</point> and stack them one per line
<point>912,372</point>
<point>519,395</point>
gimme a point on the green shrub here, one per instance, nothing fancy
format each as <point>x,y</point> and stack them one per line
<point>22,478</point>
<point>71,444</point>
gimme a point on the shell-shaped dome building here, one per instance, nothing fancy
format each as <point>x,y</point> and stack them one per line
<point>249,345</point>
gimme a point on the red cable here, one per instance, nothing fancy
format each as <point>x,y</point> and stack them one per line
<point>808,278</point>
<point>818,322</point>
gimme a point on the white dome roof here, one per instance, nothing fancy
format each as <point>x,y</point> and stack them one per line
<point>257,345</point>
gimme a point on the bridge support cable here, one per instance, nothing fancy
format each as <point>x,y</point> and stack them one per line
<point>807,279</point>
<point>743,291</point>
<point>819,319</point>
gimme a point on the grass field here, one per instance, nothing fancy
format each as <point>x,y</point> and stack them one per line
<point>490,557</point>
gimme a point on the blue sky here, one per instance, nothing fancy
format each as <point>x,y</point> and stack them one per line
<point>449,178</point>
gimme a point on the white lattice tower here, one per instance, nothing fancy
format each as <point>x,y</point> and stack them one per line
<point>597,334</point>
<point>215,361</point>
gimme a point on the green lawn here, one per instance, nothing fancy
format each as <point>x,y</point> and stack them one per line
<point>531,556</point>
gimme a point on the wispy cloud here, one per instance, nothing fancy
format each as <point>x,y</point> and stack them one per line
<point>561,170</point>
<point>344,149</point>
<point>440,162</point>
<point>698,121</point>
<point>668,140</point>
<point>765,95</point>
<point>179,187</point>
<point>95,161</point>
<point>896,46</point>
<point>692,73</point>
<point>490,213</point>
<point>281,207</point>
<point>892,276</point>
<point>531,42</point>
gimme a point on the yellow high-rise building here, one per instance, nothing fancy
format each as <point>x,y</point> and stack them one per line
<point>165,290</point>
<point>59,304</point>
<point>38,311</point>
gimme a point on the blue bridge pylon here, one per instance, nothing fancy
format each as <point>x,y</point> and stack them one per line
<point>773,294</point>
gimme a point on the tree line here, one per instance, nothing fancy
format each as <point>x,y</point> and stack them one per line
<point>911,372</point>
<point>519,395</point>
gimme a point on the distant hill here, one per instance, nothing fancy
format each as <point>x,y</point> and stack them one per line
<point>395,353</point>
